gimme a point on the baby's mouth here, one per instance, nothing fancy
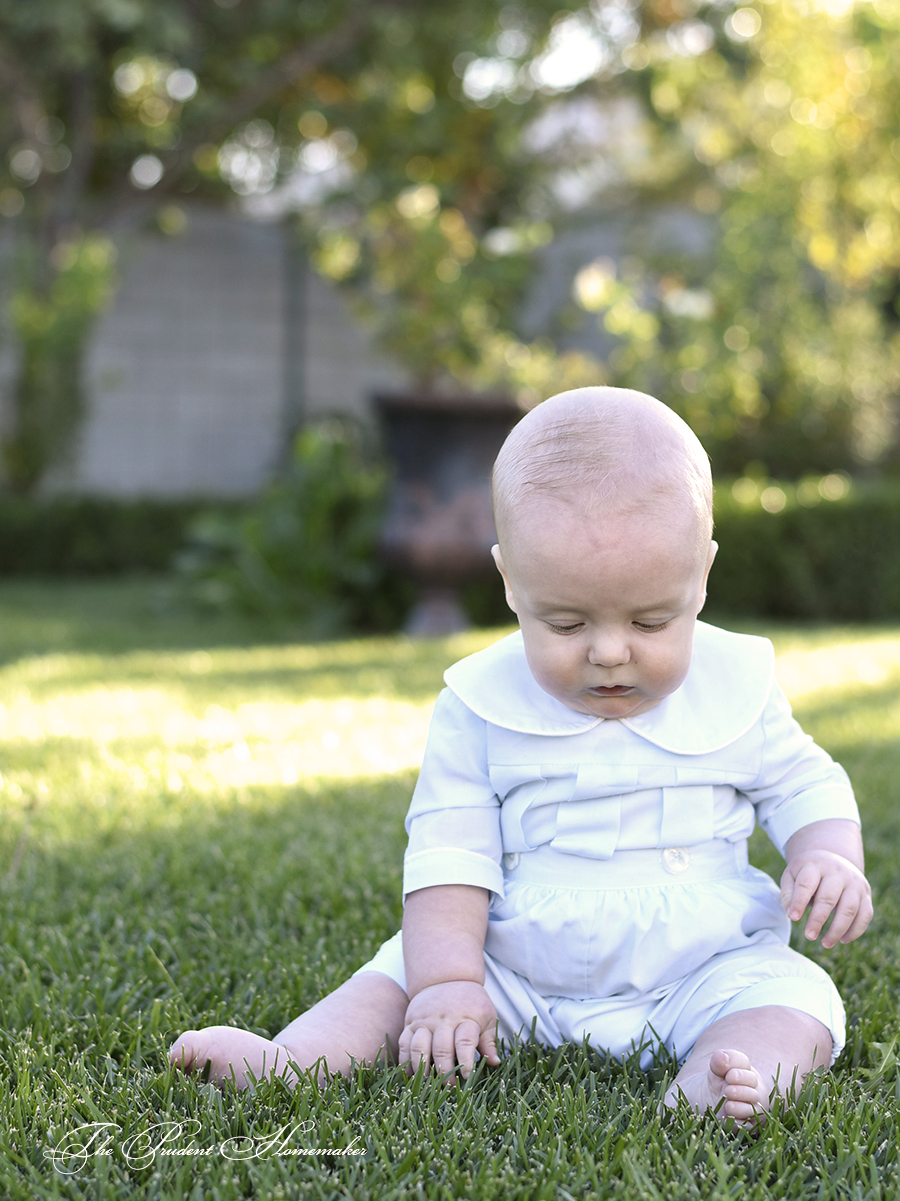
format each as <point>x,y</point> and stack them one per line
<point>616,690</point>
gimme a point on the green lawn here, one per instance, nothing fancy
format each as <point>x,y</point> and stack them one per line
<point>204,823</point>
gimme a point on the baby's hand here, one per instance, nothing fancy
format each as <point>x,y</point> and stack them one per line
<point>832,884</point>
<point>446,1024</point>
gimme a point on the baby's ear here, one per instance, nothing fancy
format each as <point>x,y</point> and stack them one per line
<point>498,559</point>
<point>713,547</point>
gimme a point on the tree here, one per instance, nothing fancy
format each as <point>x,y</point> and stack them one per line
<point>781,121</point>
<point>116,110</point>
<point>402,133</point>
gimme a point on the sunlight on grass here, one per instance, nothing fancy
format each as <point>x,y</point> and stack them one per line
<point>237,717</point>
<point>847,695</point>
<point>213,721</point>
<point>257,743</point>
<point>856,665</point>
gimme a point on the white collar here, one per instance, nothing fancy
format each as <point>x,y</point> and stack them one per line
<point>723,694</point>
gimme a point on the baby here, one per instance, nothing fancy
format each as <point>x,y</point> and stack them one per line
<point>577,861</point>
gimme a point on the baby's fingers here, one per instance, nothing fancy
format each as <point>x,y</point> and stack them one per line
<point>488,1045</point>
<point>467,1035</point>
<point>851,918</point>
<point>826,898</point>
<point>844,917</point>
<point>448,1049</point>
<point>797,892</point>
<point>864,915</point>
<point>415,1047</point>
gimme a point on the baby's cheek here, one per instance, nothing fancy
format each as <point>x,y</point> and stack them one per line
<point>551,670</point>
<point>670,675</point>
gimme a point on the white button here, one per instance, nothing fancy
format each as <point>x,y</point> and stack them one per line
<point>511,860</point>
<point>676,859</point>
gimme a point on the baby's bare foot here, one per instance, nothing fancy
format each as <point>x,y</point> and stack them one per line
<point>729,1077</point>
<point>233,1055</point>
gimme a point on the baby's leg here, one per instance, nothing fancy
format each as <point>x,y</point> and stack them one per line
<point>362,1020</point>
<point>742,1056</point>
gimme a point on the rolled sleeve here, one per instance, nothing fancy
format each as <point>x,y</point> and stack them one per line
<point>799,783</point>
<point>454,818</point>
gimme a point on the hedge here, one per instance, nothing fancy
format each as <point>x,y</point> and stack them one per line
<point>803,557</point>
<point>835,560</point>
<point>806,557</point>
<point>91,536</point>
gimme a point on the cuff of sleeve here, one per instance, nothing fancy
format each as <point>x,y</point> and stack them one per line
<point>815,807</point>
<point>450,865</point>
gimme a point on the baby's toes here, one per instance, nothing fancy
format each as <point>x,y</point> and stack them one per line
<point>183,1051</point>
<point>722,1062</point>
<point>740,1110</point>
<point>743,1094</point>
<point>741,1078</point>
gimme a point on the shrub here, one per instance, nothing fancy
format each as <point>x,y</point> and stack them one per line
<point>307,548</point>
<point>821,550</point>
<point>90,536</point>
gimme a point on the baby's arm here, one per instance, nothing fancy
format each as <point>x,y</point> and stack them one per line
<point>825,867</point>
<point>450,1016</point>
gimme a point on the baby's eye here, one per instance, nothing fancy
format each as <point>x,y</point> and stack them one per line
<point>564,629</point>
<point>651,627</point>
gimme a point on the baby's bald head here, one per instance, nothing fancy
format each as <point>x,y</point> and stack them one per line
<point>604,450</point>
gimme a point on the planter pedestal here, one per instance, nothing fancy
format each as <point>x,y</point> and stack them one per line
<point>440,527</point>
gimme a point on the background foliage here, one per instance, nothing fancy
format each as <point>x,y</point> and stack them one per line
<point>781,121</point>
<point>307,549</point>
<point>117,111</point>
<point>821,550</point>
<point>430,153</point>
<point>87,536</point>
<point>811,558</point>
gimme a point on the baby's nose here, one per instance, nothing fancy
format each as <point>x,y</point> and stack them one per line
<point>609,649</point>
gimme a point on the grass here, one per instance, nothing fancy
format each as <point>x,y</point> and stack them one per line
<point>204,823</point>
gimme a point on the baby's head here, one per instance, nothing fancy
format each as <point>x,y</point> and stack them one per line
<point>603,507</point>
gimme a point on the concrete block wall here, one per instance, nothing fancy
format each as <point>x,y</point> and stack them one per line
<point>206,356</point>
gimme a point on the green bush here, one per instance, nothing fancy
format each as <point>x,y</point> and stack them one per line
<point>307,548</point>
<point>91,536</point>
<point>821,550</point>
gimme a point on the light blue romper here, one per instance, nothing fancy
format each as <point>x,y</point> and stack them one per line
<point>623,908</point>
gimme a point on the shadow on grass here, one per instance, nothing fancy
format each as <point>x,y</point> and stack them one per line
<point>112,616</point>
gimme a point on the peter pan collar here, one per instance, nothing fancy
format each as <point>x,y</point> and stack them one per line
<point>722,696</point>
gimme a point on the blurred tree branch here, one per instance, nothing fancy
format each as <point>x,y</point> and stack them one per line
<point>118,109</point>
<point>293,66</point>
<point>777,128</point>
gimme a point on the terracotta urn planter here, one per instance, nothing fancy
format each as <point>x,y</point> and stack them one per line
<point>440,528</point>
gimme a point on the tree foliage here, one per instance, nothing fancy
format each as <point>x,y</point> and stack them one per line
<point>781,121</point>
<point>118,108</point>
<point>306,549</point>
<point>430,152</point>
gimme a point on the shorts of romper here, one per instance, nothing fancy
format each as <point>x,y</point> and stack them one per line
<point>648,953</point>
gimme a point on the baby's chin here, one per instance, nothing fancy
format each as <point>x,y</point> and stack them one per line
<point>628,704</point>
<point>610,705</point>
